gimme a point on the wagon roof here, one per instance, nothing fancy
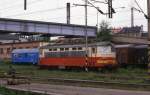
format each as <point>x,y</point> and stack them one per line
<point>25,51</point>
<point>131,46</point>
<point>74,45</point>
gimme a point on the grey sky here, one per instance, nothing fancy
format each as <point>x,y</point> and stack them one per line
<point>57,12</point>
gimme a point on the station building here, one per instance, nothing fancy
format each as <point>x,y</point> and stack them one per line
<point>6,48</point>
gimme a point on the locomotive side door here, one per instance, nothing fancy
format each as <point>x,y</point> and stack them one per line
<point>93,56</point>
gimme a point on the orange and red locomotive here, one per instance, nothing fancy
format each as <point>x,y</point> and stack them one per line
<point>74,55</point>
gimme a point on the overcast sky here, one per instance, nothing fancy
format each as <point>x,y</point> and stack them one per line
<point>55,11</point>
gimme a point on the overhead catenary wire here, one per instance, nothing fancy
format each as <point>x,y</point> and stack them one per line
<point>6,2</point>
<point>95,7</point>
<point>48,10</point>
<point>90,15</point>
<point>139,7</point>
<point>63,17</point>
<point>141,10</point>
<point>128,20</point>
<point>39,11</point>
<point>20,4</point>
<point>104,2</point>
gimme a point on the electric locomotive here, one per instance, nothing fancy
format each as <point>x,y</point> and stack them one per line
<point>99,55</point>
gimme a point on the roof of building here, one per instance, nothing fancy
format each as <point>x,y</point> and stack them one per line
<point>35,50</point>
<point>74,45</point>
<point>136,29</point>
<point>27,42</point>
<point>124,46</point>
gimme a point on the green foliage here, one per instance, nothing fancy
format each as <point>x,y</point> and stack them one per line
<point>46,39</point>
<point>5,91</point>
<point>104,33</point>
<point>6,61</point>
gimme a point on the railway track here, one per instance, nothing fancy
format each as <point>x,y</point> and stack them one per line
<point>119,82</point>
<point>79,82</point>
<point>105,84</point>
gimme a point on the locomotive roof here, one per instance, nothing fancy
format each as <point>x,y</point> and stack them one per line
<point>35,50</point>
<point>74,45</point>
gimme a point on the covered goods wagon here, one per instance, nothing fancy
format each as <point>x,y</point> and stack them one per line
<point>25,56</point>
<point>130,54</point>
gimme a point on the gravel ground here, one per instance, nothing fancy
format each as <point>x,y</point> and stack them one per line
<point>72,90</point>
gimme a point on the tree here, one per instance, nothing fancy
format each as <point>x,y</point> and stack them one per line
<point>104,33</point>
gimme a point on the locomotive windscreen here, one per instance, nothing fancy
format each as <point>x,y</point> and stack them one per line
<point>105,49</point>
<point>66,54</point>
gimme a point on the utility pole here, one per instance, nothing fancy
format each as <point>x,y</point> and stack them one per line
<point>86,36</point>
<point>110,9</point>
<point>97,21</point>
<point>148,15</point>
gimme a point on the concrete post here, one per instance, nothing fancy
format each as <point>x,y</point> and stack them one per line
<point>25,4</point>
<point>132,17</point>
<point>68,13</point>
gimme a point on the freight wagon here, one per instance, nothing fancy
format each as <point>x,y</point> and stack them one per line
<point>23,56</point>
<point>135,55</point>
<point>99,55</point>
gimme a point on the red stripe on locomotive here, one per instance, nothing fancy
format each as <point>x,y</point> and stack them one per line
<point>78,61</point>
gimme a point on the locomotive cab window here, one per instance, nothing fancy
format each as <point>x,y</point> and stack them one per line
<point>74,48</point>
<point>105,49</point>
<point>55,49</point>
<point>66,49</point>
<point>1,51</point>
<point>113,49</point>
<point>61,49</point>
<point>79,48</point>
<point>15,55</point>
<point>14,48</point>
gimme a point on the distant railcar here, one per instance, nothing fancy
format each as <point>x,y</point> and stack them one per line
<point>132,55</point>
<point>23,56</point>
<point>99,55</point>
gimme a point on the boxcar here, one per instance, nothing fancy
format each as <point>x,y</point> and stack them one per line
<point>72,55</point>
<point>25,56</point>
<point>132,55</point>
